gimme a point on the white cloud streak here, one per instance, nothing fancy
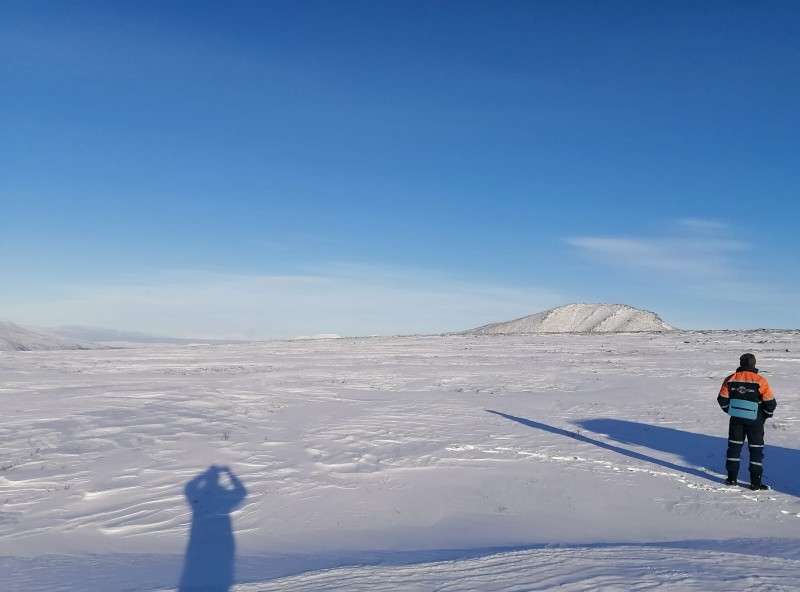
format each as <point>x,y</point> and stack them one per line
<point>702,225</point>
<point>699,260</point>
<point>679,255</point>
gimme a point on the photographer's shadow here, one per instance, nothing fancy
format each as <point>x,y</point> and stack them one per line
<point>211,552</point>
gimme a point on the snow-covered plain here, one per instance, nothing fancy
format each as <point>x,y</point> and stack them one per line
<point>536,462</point>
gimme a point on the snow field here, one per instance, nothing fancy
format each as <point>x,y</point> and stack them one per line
<point>447,446</point>
<point>570,570</point>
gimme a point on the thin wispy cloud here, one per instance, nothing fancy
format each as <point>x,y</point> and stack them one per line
<point>702,225</point>
<point>678,255</point>
<point>696,257</point>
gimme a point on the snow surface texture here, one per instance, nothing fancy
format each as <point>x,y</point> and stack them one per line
<point>580,318</point>
<point>577,462</point>
<point>16,338</point>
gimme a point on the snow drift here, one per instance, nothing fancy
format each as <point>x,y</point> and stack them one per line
<point>580,318</point>
<point>16,338</point>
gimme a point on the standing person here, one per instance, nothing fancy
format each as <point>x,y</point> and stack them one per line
<point>748,399</point>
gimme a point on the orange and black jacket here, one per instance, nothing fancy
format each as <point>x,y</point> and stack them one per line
<point>747,384</point>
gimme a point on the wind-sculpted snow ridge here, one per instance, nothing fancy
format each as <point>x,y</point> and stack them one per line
<point>16,338</point>
<point>581,318</point>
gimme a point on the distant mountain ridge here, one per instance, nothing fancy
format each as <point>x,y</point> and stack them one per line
<point>121,338</point>
<point>580,318</point>
<point>16,338</point>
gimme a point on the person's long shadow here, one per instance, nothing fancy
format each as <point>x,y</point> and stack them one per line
<point>211,552</point>
<point>704,455</point>
<point>600,444</point>
<point>700,450</point>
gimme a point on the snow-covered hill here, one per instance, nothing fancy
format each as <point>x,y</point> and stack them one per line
<point>319,336</point>
<point>16,338</point>
<point>580,318</point>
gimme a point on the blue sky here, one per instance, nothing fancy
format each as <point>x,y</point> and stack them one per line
<point>271,169</point>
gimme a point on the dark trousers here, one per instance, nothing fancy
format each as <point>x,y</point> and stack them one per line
<point>737,432</point>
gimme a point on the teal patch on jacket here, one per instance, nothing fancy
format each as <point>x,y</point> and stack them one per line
<point>744,409</point>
